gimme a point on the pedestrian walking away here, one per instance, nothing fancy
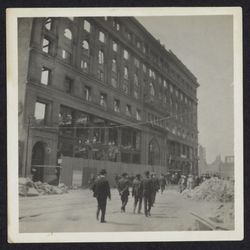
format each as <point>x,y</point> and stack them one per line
<point>123,188</point>
<point>156,187</point>
<point>137,193</point>
<point>163,183</point>
<point>182,183</point>
<point>101,191</point>
<point>147,189</point>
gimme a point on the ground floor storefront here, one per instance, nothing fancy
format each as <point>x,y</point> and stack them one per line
<point>92,137</point>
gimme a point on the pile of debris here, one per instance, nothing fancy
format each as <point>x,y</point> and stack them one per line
<point>29,188</point>
<point>213,189</point>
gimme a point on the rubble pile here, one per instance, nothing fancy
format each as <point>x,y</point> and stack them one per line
<point>29,188</point>
<point>213,189</point>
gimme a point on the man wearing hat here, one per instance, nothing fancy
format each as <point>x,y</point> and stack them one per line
<point>147,189</point>
<point>123,188</point>
<point>156,187</point>
<point>162,181</point>
<point>137,192</point>
<point>101,191</point>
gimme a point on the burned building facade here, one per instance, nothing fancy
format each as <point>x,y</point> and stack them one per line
<point>103,88</point>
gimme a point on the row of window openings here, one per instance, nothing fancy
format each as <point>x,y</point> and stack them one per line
<point>87,28</point>
<point>41,109</point>
<point>41,116</point>
<point>46,74</point>
<point>68,84</point>
<point>116,105</point>
<point>85,45</point>
<point>46,78</point>
<point>85,67</point>
<point>181,150</point>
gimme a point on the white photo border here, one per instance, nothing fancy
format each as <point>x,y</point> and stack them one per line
<point>12,127</point>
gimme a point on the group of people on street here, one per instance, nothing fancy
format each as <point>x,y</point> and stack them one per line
<point>143,189</point>
<point>190,181</point>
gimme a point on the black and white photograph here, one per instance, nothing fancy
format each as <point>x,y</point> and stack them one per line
<point>126,124</point>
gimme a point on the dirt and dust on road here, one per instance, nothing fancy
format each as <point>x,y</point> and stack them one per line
<point>75,212</point>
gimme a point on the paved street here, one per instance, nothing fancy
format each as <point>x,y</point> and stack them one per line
<point>75,212</point>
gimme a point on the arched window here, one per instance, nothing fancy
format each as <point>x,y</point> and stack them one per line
<point>151,89</point>
<point>114,66</point>
<point>100,57</point>
<point>85,46</point>
<point>68,34</point>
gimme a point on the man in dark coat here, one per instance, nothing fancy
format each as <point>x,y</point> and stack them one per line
<point>147,189</point>
<point>162,181</point>
<point>137,192</point>
<point>101,191</point>
<point>156,187</point>
<point>123,188</point>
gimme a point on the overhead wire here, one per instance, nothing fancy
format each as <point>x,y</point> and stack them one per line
<point>131,124</point>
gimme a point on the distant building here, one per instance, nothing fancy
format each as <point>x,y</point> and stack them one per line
<point>225,169</point>
<point>202,163</point>
<point>105,89</point>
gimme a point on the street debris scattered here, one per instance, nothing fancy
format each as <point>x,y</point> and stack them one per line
<point>213,189</point>
<point>223,213</point>
<point>29,188</point>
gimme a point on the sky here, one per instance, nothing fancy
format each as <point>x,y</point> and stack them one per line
<point>205,45</point>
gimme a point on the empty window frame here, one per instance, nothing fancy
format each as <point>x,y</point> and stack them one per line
<point>85,47</point>
<point>48,23</point>
<point>68,34</point>
<point>137,64</point>
<point>84,65</point>
<point>125,54</point>
<point>151,89</point>
<point>66,56</point>
<point>116,105</point>
<point>100,57</point>
<point>114,82</point>
<point>100,74</point>
<point>116,25</point>
<point>40,113</point>
<point>45,76</point>
<point>125,86</point>
<point>101,37</point>
<point>128,110</point>
<point>114,46</point>
<point>86,26</point>
<point>87,93</point>
<point>125,75</point>
<point>165,83</point>
<point>114,65</point>
<point>46,46</point>
<point>136,86</point>
<point>103,100</point>
<point>138,114</point>
<point>68,85</point>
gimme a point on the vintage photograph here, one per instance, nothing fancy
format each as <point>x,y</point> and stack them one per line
<point>126,122</point>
